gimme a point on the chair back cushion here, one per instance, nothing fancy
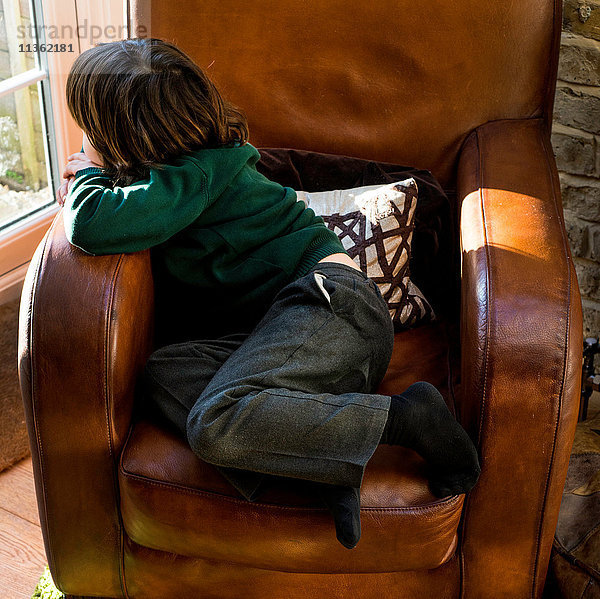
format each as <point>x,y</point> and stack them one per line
<point>394,81</point>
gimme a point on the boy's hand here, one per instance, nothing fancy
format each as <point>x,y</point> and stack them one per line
<point>76,162</point>
<point>63,190</point>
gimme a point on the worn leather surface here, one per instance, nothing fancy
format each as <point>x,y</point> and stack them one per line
<point>521,354</point>
<point>420,354</point>
<point>401,81</point>
<point>165,487</point>
<point>156,575</point>
<point>516,327</point>
<point>85,330</point>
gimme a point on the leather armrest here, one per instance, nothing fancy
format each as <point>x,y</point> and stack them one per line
<point>85,332</point>
<point>521,338</point>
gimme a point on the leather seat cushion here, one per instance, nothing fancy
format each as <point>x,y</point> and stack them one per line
<point>174,502</point>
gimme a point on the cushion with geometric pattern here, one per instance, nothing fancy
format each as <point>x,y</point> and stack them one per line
<point>375,224</point>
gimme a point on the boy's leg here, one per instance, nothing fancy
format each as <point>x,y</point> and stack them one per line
<point>175,375</point>
<point>173,378</point>
<point>298,397</point>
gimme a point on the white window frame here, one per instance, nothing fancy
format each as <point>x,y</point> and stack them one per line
<point>19,241</point>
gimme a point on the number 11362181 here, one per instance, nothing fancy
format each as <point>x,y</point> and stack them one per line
<point>45,47</point>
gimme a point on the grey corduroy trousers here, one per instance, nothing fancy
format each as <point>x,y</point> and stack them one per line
<point>295,397</point>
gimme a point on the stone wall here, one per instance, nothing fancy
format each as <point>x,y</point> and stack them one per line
<point>576,143</point>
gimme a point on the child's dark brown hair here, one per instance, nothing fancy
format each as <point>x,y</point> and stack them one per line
<point>143,101</point>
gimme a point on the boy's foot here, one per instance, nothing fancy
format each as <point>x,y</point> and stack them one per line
<point>419,419</point>
<point>344,505</point>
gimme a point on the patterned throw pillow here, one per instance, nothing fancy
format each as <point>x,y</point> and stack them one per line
<point>375,225</point>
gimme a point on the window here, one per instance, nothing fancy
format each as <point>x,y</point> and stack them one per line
<point>26,151</point>
<point>28,162</point>
<point>39,40</point>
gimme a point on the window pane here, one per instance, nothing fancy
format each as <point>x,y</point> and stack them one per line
<point>16,39</point>
<point>23,174</point>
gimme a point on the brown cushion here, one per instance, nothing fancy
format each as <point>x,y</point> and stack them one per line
<point>174,502</point>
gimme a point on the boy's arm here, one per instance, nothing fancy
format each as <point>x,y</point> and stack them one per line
<point>102,219</point>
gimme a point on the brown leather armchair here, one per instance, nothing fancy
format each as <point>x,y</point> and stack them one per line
<point>464,89</point>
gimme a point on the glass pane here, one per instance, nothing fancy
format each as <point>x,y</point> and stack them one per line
<point>23,174</point>
<point>17,38</point>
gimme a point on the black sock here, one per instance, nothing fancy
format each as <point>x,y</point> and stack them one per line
<point>344,505</point>
<point>419,419</point>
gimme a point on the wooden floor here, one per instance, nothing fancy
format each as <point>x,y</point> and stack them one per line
<point>22,556</point>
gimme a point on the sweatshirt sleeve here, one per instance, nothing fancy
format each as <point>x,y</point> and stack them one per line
<point>102,219</point>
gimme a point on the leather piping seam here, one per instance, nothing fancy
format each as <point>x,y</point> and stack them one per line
<point>544,138</point>
<point>309,572</point>
<point>32,351</point>
<point>434,508</point>
<point>488,296</point>
<point>479,179</point>
<point>108,400</point>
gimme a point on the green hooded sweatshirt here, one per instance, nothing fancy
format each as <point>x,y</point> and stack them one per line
<point>224,239</point>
